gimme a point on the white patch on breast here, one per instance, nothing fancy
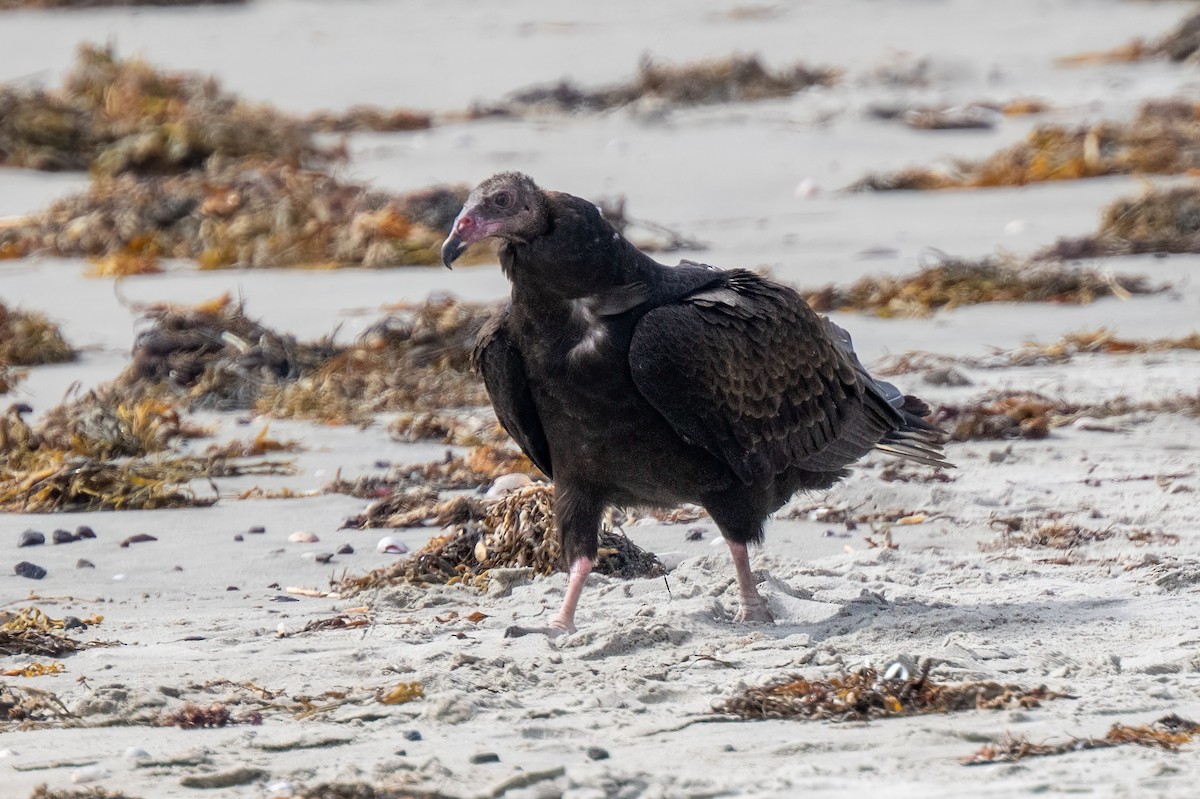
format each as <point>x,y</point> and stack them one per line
<point>589,327</point>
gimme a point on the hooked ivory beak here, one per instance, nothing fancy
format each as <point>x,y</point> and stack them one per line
<point>466,231</point>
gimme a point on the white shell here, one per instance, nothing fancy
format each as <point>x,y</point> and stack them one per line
<point>281,790</point>
<point>136,753</point>
<point>8,753</point>
<point>391,546</point>
<point>896,671</point>
<point>303,537</point>
<point>118,577</point>
<point>508,482</point>
<point>87,774</point>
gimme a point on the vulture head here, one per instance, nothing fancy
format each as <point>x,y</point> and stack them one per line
<point>509,206</point>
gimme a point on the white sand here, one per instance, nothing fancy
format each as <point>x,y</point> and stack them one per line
<point>1116,626</point>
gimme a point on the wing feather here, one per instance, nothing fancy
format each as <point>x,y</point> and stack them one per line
<point>502,368</point>
<point>752,374</point>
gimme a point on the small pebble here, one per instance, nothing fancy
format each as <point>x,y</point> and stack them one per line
<point>391,546</point>
<point>136,753</point>
<point>87,774</point>
<point>485,757</point>
<point>695,534</point>
<point>84,563</point>
<point>8,753</point>
<point>282,789</point>
<point>324,557</point>
<point>31,538</point>
<point>238,537</point>
<point>140,538</point>
<point>232,588</point>
<point>30,570</point>
<point>303,537</point>
<point>257,529</point>
<point>73,623</point>
<point>345,549</point>
<point>412,735</point>
<point>597,753</point>
<point>119,578</point>
<point>63,537</point>
<point>807,189</point>
<point>83,531</point>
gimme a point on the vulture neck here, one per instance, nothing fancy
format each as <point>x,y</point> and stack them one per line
<point>580,256</point>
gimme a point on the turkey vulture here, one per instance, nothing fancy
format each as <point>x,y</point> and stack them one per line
<point>635,384</point>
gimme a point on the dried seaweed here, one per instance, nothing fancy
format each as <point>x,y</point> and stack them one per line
<point>866,694</point>
<point>241,213</point>
<point>419,506</point>
<point>1053,533</point>
<point>518,531</point>
<point>1161,140</point>
<point>1161,220</point>
<point>727,80</point>
<point>1168,733</point>
<point>103,425</point>
<point>41,791</point>
<point>951,282</point>
<point>369,118</point>
<point>415,359</point>
<point>362,790</point>
<point>1179,45</point>
<point>1026,414</point>
<point>465,430</point>
<point>114,115</point>
<point>30,706</point>
<point>31,632</point>
<point>192,716</point>
<point>28,338</point>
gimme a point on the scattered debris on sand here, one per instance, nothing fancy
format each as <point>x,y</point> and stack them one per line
<point>28,338</point>
<point>238,213</point>
<point>866,694</point>
<point>726,80</point>
<point>1169,733</point>
<point>26,707</point>
<point>1052,531</point>
<point>102,425</point>
<point>362,790</point>
<point>371,118</point>
<point>468,429</point>
<point>517,532</point>
<point>1161,220</point>
<point>117,115</point>
<point>1161,140</point>
<point>975,116</point>
<point>951,282</point>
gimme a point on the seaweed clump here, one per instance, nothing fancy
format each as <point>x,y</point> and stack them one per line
<point>29,631</point>
<point>866,694</point>
<point>518,531</point>
<point>28,338</point>
<point>1160,221</point>
<point>418,358</point>
<point>727,80</point>
<point>95,792</point>
<point>238,213</point>
<point>1161,140</point>
<point>1169,734</point>
<point>116,115</point>
<point>951,283</point>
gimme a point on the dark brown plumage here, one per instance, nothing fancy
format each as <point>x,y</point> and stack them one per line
<point>631,383</point>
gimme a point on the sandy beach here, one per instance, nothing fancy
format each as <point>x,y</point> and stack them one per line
<point>890,566</point>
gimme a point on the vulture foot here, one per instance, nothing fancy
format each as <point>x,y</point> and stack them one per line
<point>754,612</point>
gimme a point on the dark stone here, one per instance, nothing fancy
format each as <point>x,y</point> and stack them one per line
<point>140,538</point>
<point>345,549</point>
<point>84,563</point>
<point>597,753</point>
<point>31,538</point>
<point>485,757</point>
<point>238,537</point>
<point>63,536</point>
<point>412,735</point>
<point>73,623</point>
<point>257,529</point>
<point>324,557</point>
<point>30,570</point>
<point>695,534</point>
<point>232,588</point>
<point>83,531</point>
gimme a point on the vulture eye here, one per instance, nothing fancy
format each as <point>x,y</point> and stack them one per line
<point>503,199</point>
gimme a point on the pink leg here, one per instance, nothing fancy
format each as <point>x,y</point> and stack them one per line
<point>754,607</point>
<point>564,622</point>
